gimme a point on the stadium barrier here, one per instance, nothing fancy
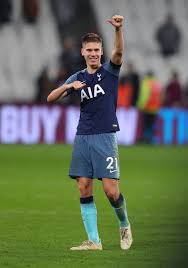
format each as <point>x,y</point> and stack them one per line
<point>32,124</point>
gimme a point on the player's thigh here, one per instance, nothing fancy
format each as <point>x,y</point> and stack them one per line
<point>81,163</point>
<point>105,158</point>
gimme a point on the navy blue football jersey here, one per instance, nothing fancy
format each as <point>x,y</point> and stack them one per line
<point>98,99</point>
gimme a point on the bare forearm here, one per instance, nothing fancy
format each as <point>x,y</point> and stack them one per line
<point>64,90</point>
<point>117,52</point>
<point>58,93</point>
<point>119,41</point>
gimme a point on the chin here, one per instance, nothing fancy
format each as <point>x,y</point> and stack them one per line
<point>95,66</point>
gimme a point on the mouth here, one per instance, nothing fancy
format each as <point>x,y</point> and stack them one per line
<point>93,59</point>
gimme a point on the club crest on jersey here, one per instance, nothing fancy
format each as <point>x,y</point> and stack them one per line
<point>89,94</point>
<point>99,77</point>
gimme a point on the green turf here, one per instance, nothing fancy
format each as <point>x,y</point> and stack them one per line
<point>40,215</point>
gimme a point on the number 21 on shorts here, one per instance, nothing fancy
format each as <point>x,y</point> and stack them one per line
<point>112,163</point>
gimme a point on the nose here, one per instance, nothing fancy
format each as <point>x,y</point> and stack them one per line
<point>93,53</point>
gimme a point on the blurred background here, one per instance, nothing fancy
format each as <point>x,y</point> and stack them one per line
<point>40,49</point>
<point>39,206</point>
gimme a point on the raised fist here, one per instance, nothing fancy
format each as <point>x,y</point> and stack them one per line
<point>116,21</point>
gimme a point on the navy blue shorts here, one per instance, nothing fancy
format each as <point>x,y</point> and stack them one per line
<point>95,156</point>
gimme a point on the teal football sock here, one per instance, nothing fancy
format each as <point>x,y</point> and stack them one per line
<point>120,209</point>
<point>89,216</point>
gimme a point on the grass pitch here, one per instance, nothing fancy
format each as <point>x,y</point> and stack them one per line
<point>40,214</point>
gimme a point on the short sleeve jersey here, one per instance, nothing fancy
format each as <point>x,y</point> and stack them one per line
<point>98,99</point>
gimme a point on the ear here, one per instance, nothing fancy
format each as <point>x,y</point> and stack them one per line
<point>82,51</point>
<point>102,51</point>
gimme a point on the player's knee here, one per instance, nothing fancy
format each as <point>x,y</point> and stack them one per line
<point>85,189</point>
<point>112,194</point>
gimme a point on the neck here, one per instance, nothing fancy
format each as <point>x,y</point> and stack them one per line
<point>92,70</point>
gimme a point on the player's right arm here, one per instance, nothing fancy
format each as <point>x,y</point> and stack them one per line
<point>64,90</point>
<point>117,52</point>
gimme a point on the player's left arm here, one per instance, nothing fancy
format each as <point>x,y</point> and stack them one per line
<point>117,52</point>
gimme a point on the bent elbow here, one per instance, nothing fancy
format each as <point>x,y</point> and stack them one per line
<point>119,54</point>
<point>49,98</point>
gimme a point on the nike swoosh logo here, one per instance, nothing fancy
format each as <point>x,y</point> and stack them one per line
<point>111,171</point>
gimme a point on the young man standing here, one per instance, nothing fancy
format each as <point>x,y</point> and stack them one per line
<point>95,153</point>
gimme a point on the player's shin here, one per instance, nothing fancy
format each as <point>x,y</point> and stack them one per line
<point>119,207</point>
<point>89,216</point>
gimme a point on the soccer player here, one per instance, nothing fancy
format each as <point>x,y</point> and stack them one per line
<point>95,152</point>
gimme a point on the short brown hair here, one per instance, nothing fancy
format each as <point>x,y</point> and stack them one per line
<point>91,37</point>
